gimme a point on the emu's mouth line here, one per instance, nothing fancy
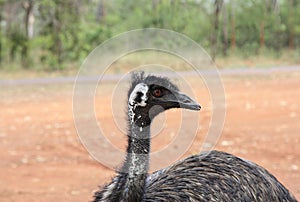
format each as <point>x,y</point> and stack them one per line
<point>186,102</point>
<point>195,106</point>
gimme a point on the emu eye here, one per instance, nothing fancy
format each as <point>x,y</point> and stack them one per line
<point>157,93</point>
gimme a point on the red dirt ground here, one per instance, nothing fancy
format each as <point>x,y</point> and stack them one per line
<point>42,159</point>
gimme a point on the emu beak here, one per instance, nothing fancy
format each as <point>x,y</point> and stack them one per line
<point>186,102</point>
<point>177,99</point>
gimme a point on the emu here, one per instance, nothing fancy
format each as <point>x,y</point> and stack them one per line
<point>209,176</point>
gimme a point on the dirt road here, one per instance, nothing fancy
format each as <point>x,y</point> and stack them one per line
<point>42,159</point>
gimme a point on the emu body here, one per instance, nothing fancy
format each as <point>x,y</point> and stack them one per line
<point>209,176</point>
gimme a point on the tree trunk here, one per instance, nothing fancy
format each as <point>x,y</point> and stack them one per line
<point>1,35</point>
<point>225,30</point>
<point>154,4</point>
<point>232,40</point>
<point>214,40</point>
<point>278,31</point>
<point>262,34</point>
<point>262,24</point>
<point>291,24</point>
<point>57,49</point>
<point>29,18</point>
<point>100,11</point>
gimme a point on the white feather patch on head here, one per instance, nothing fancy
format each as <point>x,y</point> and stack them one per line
<point>139,88</point>
<point>132,104</point>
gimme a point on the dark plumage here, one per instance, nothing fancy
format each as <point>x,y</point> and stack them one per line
<point>215,176</point>
<point>210,176</point>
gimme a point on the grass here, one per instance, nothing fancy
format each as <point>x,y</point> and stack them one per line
<point>264,60</point>
<point>163,60</point>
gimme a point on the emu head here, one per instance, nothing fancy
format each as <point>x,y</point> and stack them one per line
<point>150,95</point>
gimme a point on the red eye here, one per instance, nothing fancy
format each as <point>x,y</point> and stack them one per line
<point>157,93</point>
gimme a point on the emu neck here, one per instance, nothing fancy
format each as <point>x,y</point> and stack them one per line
<point>137,162</point>
<point>138,150</point>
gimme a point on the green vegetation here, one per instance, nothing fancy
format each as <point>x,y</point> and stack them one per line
<point>58,34</point>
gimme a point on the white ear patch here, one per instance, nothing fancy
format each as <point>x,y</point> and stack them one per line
<point>132,104</point>
<point>140,88</point>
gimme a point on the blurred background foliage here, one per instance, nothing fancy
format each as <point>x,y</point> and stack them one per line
<point>58,34</point>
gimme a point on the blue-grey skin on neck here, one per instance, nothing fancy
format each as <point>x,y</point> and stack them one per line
<point>129,184</point>
<point>137,159</point>
<point>136,163</point>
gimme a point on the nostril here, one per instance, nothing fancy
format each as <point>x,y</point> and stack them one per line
<point>186,101</point>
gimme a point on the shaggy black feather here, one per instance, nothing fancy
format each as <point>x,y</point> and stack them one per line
<point>140,77</point>
<point>210,176</point>
<point>215,176</point>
